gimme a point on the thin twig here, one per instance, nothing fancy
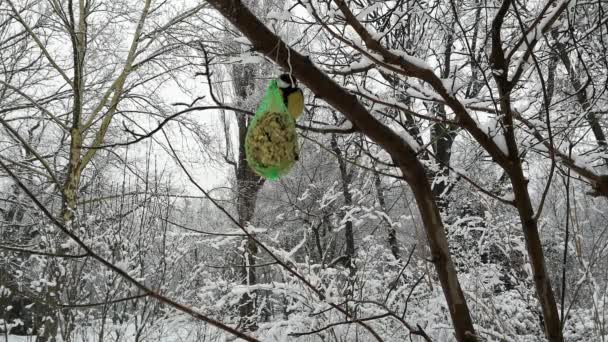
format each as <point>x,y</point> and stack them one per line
<point>119,271</point>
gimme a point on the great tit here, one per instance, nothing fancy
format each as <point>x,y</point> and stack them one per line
<point>292,95</point>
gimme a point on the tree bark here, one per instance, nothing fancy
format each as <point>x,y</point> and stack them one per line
<point>442,138</point>
<point>392,232</point>
<point>525,209</point>
<point>403,155</point>
<point>345,178</point>
<point>248,185</point>
<point>537,259</point>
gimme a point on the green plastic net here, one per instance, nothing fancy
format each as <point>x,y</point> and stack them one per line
<point>271,144</point>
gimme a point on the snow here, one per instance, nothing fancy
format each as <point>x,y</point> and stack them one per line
<point>202,271</point>
<point>582,161</point>
<point>179,328</point>
<point>522,106</point>
<point>417,62</point>
<point>376,35</point>
<point>304,195</point>
<point>452,85</point>
<point>242,40</point>
<point>409,140</point>
<point>329,196</point>
<point>367,10</point>
<point>15,338</point>
<point>520,63</point>
<point>360,64</point>
<point>279,15</point>
<point>291,253</point>
<point>509,197</point>
<point>428,95</point>
<point>534,35</point>
<point>347,126</point>
<point>492,128</point>
<point>252,59</point>
<point>246,58</point>
<point>542,25</point>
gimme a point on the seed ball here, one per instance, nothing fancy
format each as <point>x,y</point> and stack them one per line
<point>271,141</point>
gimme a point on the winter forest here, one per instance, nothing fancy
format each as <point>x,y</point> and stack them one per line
<point>449,178</point>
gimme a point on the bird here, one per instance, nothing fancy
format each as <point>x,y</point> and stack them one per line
<point>293,97</point>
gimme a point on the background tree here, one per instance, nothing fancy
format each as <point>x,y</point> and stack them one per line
<point>447,177</point>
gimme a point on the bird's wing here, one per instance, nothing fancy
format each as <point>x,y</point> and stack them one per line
<point>295,103</point>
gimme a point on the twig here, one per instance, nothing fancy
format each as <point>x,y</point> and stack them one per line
<point>121,272</point>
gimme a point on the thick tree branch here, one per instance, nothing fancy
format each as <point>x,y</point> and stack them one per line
<point>403,154</point>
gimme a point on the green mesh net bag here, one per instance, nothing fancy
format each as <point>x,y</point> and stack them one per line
<point>271,144</point>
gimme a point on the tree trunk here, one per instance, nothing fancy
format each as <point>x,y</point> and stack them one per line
<point>442,138</point>
<point>440,253</point>
<point>443,135</point>
<point>513,167</point>
<point>403,155</point>
<point>248,185</point>
<point>345,178</point>
<point>534,247</point>
<point>392,232</point>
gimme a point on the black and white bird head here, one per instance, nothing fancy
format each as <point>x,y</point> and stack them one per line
<point>292,96</point>
<point>286,81</point>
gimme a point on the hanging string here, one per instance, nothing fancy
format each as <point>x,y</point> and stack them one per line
<point>278,51</point>
<point>290,67</point>
<point>291,80</point>
<point>277,48</point>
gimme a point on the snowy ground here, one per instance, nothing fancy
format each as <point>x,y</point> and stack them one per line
<point>14,338</point>
<point>162,330</point>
